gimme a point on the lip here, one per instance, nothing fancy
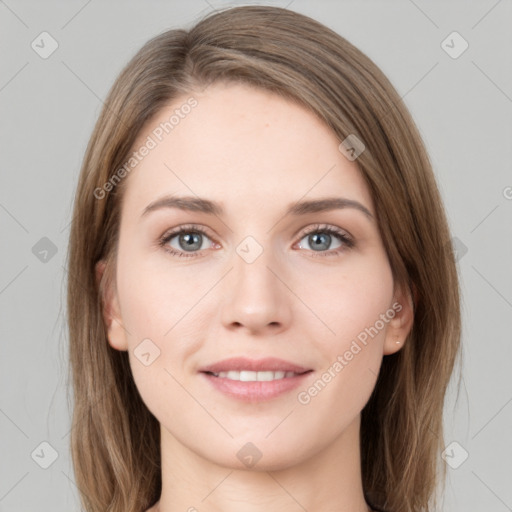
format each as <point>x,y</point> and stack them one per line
<point>270,364</point>
<point>254,391</point>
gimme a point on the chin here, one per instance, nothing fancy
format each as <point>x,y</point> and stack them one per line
<point>259,455</point>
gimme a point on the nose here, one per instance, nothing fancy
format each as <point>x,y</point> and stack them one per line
<point>255,296</point>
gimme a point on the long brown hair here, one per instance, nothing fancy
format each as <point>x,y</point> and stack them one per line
<point>115,442</point>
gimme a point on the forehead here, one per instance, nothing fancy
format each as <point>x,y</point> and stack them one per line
<point>243,146</point>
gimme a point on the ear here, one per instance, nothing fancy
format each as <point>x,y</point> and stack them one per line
<point>401,324</point>
<point>111,312</point>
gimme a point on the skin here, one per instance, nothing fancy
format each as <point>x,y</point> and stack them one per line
<point>255,153</point>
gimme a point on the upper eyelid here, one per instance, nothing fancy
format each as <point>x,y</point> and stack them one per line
<point>186,228</point>
<point>321,227</point>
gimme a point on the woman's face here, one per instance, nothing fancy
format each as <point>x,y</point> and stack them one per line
<point>254,275</point>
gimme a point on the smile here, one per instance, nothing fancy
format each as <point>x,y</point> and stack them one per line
<point>250,376</point>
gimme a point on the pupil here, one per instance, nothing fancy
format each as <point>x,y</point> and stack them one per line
<point>190,240</point>
<point>316,237</point>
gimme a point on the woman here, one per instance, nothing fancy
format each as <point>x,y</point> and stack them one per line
<point>263,301</point>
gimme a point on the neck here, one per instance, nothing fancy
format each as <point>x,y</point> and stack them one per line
<point>328,481</point>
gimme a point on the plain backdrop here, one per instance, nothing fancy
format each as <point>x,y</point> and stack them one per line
<point>461,99</point>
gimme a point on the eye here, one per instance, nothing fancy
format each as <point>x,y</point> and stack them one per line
<point>319,238</point>
<point>189,239</point>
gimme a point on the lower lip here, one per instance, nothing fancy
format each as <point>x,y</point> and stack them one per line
<point>255,391</point>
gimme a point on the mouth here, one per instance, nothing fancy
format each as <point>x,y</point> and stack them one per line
<point>251,376</point>
<point>254,380</point>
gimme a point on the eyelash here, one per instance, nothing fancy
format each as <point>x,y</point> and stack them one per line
<point>193,228</point>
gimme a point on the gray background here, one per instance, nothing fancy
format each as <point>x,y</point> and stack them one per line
<point>462,106</point>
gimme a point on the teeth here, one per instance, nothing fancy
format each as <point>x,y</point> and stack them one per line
<point>248,376</point>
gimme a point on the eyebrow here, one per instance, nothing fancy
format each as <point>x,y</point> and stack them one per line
<point>198,204</point>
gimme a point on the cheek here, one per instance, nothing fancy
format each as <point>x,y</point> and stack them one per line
<point>358,311</point>
<point>161,319</point>
<point>352,299</point>
<point>158,344</point>
<point>153,298</point>
<point>163,325</point>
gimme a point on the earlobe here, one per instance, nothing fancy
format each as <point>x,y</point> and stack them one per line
<point>110,308</point>
<point>401,324</point>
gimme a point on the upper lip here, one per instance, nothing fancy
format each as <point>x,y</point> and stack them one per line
<point>256,365</point>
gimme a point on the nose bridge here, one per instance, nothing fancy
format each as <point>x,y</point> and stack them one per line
<point>253,296</point>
